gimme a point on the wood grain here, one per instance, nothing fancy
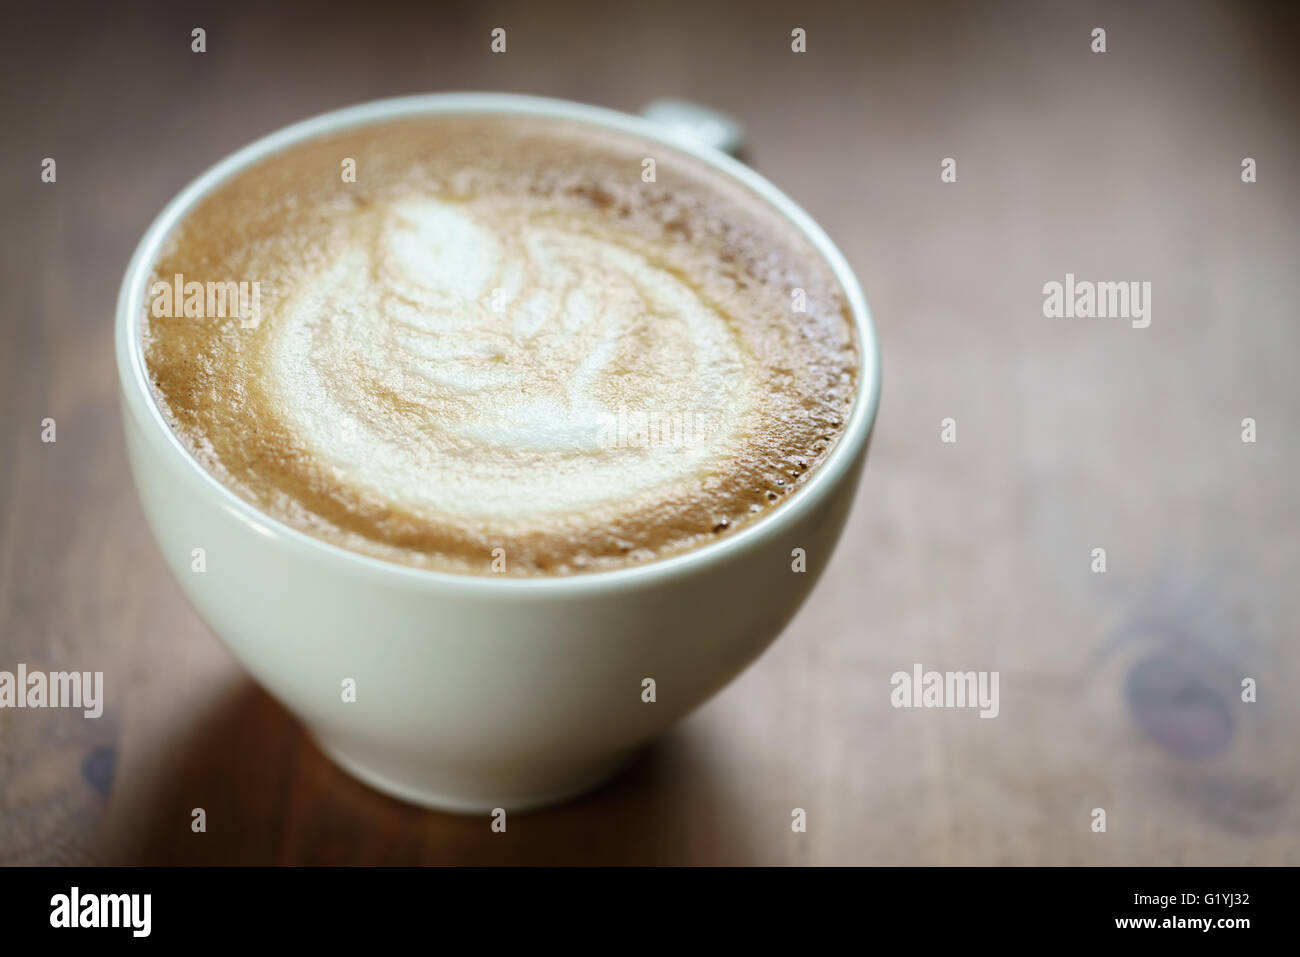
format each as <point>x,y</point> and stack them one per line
<point>1118,691</point>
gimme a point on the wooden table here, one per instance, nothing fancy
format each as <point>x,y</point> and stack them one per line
<point>1118,690</point>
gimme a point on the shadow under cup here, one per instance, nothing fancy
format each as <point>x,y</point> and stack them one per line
<point>473,693</point>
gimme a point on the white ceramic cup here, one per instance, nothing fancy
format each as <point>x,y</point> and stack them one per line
<point>474,693</point>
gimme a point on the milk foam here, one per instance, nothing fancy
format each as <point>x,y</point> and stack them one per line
<point>466,363</point>
<point>500,337</point>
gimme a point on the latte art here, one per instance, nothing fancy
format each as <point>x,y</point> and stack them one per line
<point>505,342</point>
<point>447,343</point>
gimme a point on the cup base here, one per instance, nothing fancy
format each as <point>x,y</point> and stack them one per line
<point>546,794</point>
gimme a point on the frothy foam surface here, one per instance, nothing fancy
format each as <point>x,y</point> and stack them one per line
<point>500,338</point>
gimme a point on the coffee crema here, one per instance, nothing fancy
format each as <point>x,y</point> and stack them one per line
<point>500,348</point>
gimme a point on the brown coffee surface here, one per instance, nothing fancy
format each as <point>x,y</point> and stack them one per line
<point>500,348</point>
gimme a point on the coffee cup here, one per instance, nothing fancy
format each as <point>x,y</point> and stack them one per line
<point>469,693</point>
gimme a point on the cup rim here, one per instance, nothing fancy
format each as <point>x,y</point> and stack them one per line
<point>139,398</point>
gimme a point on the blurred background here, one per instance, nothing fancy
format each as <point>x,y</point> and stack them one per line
<point>1118,690</point>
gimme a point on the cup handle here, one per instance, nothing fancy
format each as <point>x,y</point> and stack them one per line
<point>699,122</point>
